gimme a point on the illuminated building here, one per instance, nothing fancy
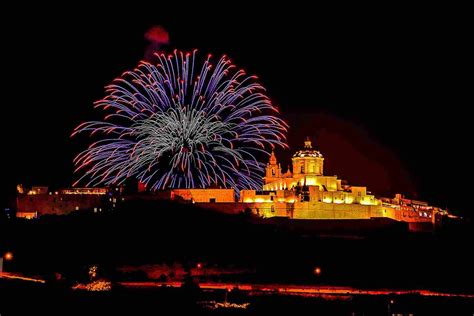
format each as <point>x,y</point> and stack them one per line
<point>198,195</point>
<point>306,193</point>
<point>40,201</point>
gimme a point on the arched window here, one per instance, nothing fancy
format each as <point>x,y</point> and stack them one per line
<point>302,168</point>
<point>273,171</point>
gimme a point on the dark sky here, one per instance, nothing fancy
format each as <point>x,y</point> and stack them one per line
<point>383,92</point>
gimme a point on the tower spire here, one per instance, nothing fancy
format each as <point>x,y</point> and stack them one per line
<point>307,143</point>
<point>273,169</point>
<point>273,159</point>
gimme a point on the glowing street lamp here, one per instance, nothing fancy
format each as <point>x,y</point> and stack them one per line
<point>227,291</point>
<point>317,271</point>
<point>8,256</point>
<point>389,306</point>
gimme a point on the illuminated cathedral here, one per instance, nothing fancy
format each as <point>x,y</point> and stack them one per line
<point>306,193</point>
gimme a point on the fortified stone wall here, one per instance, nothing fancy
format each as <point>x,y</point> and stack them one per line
<point>206,195</point>
<point>58,204</point>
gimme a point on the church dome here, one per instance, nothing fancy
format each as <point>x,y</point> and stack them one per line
<point>308,151</point>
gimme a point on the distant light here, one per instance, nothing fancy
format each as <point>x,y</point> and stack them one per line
<point>8,256</point>
<point>199,265</point>
<point>317,271</point>
<point>392,301</point>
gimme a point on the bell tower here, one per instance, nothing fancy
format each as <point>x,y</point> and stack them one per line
<point>273,169</point>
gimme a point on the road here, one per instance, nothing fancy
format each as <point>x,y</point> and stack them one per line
<point>303,290</point>
<point>14,276</point>
<point>288,289</point>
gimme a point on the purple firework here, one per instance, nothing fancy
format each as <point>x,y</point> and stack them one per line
<point>181,124</point>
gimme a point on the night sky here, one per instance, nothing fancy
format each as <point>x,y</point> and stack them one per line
<point>383,96</point>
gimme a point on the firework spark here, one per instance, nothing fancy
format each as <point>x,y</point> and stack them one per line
<point>176,124</point>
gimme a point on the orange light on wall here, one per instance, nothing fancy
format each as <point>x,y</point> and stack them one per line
<point>327,200</point>
<point>367,201</point>
<point>349,199</point>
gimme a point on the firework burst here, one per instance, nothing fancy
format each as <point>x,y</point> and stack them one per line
<point>178,124</point>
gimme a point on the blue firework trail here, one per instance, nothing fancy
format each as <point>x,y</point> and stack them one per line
<point>181,123</point>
